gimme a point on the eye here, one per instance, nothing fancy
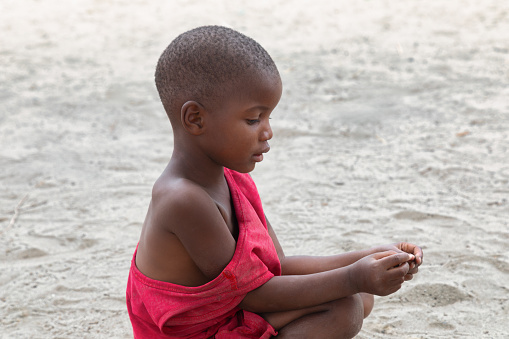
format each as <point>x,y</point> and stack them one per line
<point>252,121</point>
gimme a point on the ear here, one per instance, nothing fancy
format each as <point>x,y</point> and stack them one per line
<point>191,117</point>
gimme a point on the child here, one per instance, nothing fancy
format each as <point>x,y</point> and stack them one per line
<point>208,263</point>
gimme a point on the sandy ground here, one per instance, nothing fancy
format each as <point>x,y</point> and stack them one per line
<point>394,125</point>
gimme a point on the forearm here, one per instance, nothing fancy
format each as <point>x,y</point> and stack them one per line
<point>298,265</point>
<point>291,292</point>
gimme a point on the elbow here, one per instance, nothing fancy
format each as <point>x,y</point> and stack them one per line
<point>255,303</point>
<point>252,305</point>
<point>269,297</point>
<point>248,307</point>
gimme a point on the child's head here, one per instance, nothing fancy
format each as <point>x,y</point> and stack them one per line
<point>206,65</point>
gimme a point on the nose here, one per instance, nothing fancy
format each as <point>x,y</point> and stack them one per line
<point>266,133</point>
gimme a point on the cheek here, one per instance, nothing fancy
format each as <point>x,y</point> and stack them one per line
<point>243,134</point>
<point>235,138</point>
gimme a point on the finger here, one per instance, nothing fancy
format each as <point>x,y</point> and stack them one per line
<point>396,259</point>
<point>413,270</point>
<point>398,272</point>
<point>417,252</point>
<point>411,248</point>
<point>418,259</point>
<point>381,255</point>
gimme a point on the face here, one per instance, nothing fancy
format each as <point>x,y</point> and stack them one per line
<point>238,128</point>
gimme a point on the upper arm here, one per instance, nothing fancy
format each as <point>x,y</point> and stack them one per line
<point>190,213</point>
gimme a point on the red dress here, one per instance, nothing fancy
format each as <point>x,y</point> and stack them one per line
<point>160,309</point>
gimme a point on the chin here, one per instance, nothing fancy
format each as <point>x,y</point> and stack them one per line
<point>243,169</point>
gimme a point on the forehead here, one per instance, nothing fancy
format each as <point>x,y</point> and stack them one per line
<point>256,88</point>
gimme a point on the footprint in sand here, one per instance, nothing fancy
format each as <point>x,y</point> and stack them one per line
<point>30,253</point>
<point>420,216</point>
<point>436,295</point>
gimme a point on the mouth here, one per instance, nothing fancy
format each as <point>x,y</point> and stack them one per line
<point>259,156</point>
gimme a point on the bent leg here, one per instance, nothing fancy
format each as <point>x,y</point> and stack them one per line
<point>368,301</point>
<point>341,318</point>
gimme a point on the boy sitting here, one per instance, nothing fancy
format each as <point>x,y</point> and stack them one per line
<point>208,263</point>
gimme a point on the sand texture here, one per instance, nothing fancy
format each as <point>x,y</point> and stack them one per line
<point>393,126</point>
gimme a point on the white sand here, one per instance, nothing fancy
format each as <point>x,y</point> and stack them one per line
<point>394,125</point>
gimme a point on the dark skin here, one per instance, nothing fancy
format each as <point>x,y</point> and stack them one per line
<point>180,246</point>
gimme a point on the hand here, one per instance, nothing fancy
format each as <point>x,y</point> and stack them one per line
<point>381,273</point>
<point>405,247</point>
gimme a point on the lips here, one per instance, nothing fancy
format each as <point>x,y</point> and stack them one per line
<point>259,156</point>
<point>265,150</point>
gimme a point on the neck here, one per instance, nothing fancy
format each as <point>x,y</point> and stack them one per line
<point>190,163</point>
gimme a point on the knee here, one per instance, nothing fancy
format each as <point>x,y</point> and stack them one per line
<point>368,301</point>
<point>349,314</point>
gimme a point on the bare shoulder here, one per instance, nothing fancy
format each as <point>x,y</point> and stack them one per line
<point>185,239</point>
<point>177,199</point>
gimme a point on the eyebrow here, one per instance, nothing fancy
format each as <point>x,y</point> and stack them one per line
<point>259,107</point>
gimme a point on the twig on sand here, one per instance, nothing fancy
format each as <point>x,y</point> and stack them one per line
<point>16,213</point>
<point>17,209</point>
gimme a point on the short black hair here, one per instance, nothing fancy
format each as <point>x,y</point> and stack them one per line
<point>199,63</point>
